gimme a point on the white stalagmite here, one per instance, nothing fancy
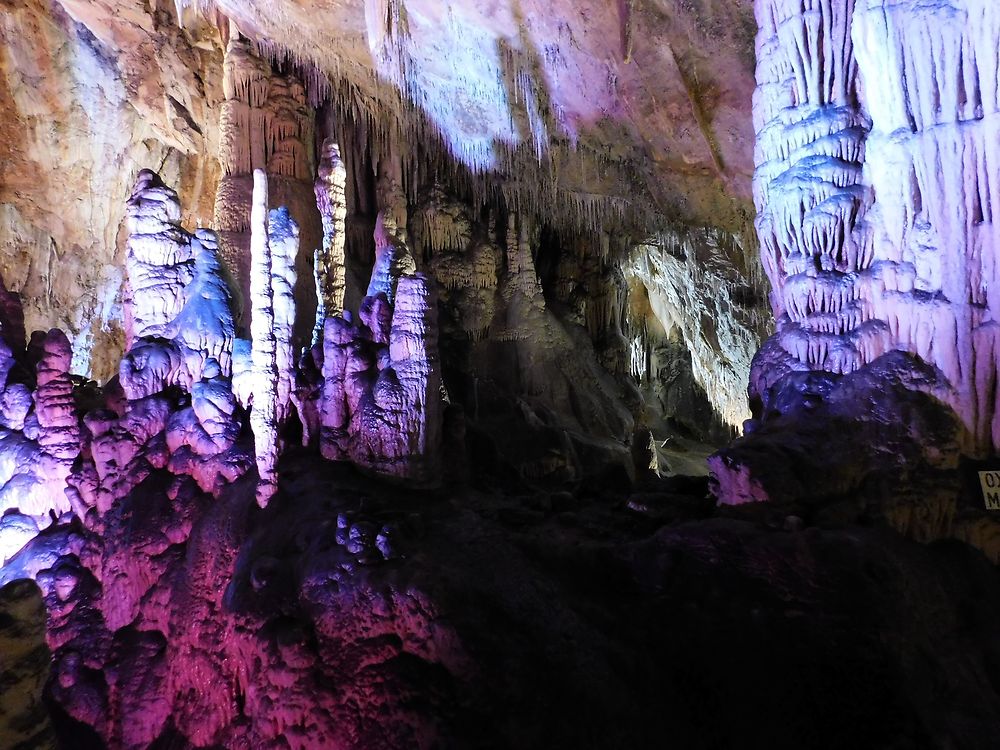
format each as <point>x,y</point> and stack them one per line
<point>396,431</point>
<point>273,247</point>
<point>264,375</point>
<point>283,241</point>
<point>178,316</point>
<point>158,260</point>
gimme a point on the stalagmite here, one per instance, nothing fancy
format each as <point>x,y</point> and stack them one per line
<point>397,430</point>
<point>283,243</point>
<point>331,199</point>
<point>263,355</point>
<point>392,260</point>
<point>338,336</point>
<point>274,243</point>
<point>58,428</point>
<point>159,262</point>
<point>178,314</point>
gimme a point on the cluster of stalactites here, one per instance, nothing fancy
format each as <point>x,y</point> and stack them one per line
<point>266,123</point>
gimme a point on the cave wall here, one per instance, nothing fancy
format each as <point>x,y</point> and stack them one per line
<point>90,94</point>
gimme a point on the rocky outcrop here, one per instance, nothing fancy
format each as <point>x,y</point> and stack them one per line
<point>353,618</point>
<point>91,90</point>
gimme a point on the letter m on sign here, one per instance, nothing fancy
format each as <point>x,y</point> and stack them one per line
<point>989,481</point>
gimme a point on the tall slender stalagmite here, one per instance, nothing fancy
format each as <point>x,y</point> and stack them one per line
<point>263,414</point>
<point>331,199</point>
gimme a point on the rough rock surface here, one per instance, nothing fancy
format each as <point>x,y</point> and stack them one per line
<point>90,92</point>
<point>343,616</point>
<point>24,719</point>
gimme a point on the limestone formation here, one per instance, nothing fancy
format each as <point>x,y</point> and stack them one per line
<point>873,188</point>
<point>329,263</point>
<point>159,262</point>
<point>178,315</point>
<point>274,244</point>
<point>392,259</point>
<point>396,430</point>
<point>55,410</point>
<point>875,183</point>
<point>265,124</point>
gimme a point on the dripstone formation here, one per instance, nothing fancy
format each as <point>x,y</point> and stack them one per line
<point>507,377</point>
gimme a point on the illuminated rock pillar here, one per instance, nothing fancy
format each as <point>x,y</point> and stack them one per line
<point>273,245</point>
<point>329,263</point>
<point>877,171</point>
<point>809,191</point>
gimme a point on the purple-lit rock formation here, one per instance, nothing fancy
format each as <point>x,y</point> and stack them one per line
<point>55,412</point>
<point>178,317</point>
